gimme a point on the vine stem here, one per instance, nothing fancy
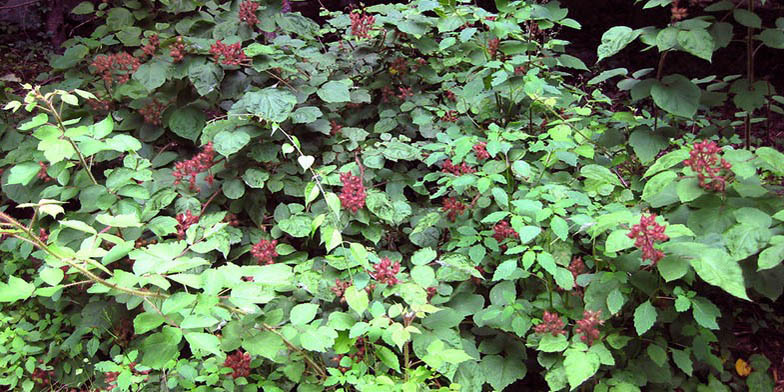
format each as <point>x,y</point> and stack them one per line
<point>53,111</point>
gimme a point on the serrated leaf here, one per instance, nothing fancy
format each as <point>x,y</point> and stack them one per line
<point>644,317</point>
<point>580,366</point>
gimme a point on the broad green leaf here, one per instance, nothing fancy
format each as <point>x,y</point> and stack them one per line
<point>52,276</point>
<point>682,358</point>
<point>677,95</point>
<point>580,366</point>
<point>615,301</point>
<point>203,342</point>
<point>303,313</point>
<point>552,344</point>
<point>744,240</point>
<point>747,18</point>
<point>387,357</point>
<point>334,91</point>
<point>357,299</point>
<point>599,173</point>
<point>657,184</point>
<point>230,142</point>
<point>644,317</point>
<point>147,321</point>
<point>270,104</point>
<point>770,257</point>
<point>502,371</point>
<point>716,267</point>
<point>689,189</point>
<point>667,161</point>
<point>672,267</point>
<point>151,74</point>
<point>614,40</point>
<point>187,122</point>
<point>647,144</point>
<point>697,42</point>
<point>618,240</point>
<point>15,290</point>
<point>657,354</point>
<point>705,312</point>
<point>23,173</point>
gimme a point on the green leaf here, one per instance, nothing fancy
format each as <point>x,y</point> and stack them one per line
<point>387,357</point>
<point>270,104</point>
<point>771,257</point>
<point>553,344</point>
<point>119,17</point>
<point>56,150</point>
<point>747,18</point>
<point>677,95</point>
<point>705,312</point>
<point>689,189</point>
<point>744,240</point>
<point>647,144</point>
<point>151,74</point>
<point>203,342</point>
<point>306,115</point>
<point>657,354</point>
<point>615,301</point>
<point>230,142</point>
<point>560,227</point>
<point>357,299</point>
<point>334,91</point>
<point>618,240</point>
<point>147,321</point>
<point>697,42</point>
<point>716,267</point>
<point>672,268</point>
<point>52,276</point>
<point>205,77</point>
<point>502,371</point>
<point>682,358</point>
<point>162,347</point>
<point>296,226</point>
<point>614,40</point>
<point>657,184</point>
<point>233,188</point>
<point>15,290</point>
<point>580,366</point>
<point>667,161</point>
<point>23,173</point>
<point>772,38</point>
<point>255,178</point>
<point>644,317</point>
<point>303,313</point>
<point>599,173</point>
<point>83,8</point>
<point>187,122</point>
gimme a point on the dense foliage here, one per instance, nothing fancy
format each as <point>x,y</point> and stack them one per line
<point>230,196</point>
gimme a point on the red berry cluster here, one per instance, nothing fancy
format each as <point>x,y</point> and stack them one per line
<point>588,326</point>
<point>152,112</point>
<point>405,92</point>
<point>152,45</point>
<point>357,356</point>
<point>492,47</point>
<point>184,221</point>
<point>335,128</point>
<point>645,234</point>
<point>551,323</point>
<point>340,289</point>
<point>480,149</point>
<point>577,268</point>
<point>450,116</point>
<point>42,173</point>
<point>385,271</point>
<point>453,208</point>
<point>502,230</point>
<point>104,105</point>
<point>449,95</point>
<point>41,376</point>
<point>431,292</point>
<point>43,235</point>
<point>239,362</point>
<point>398,66</point>
<point>520,70</point>
<point>361,24</point>
<point>352,196</point>
<point>232,54</point>
<point>177,50</point>
<point>116,68</point>
<point>248,12</point>
<point>457,170</point>
<point>232,220</point>
<point>387,93</point>
<point>705,161</point>
<point>200,163</point>
<point>264,251</point>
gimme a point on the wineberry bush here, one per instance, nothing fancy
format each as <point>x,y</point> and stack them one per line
<point>228,196</point>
